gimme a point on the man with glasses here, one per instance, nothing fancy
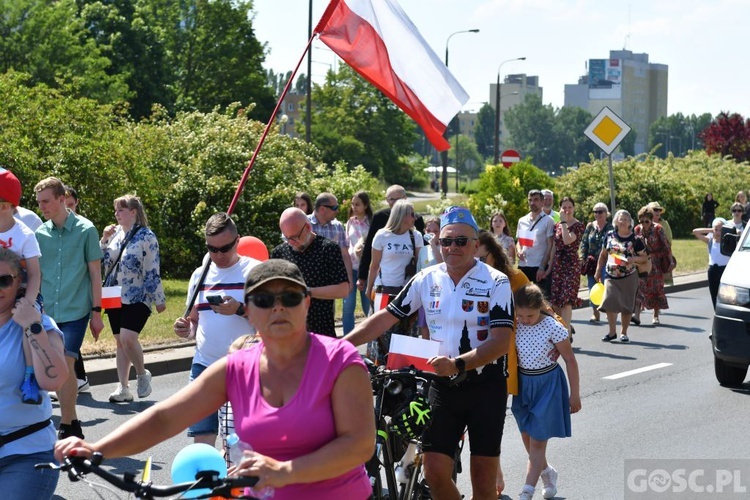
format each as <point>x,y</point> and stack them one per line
<point>218,315</point>
<point>534,248</point>
<point>322,266</point>
<point>469,311</point>
<point>379,220</point>
<point>323,221</point>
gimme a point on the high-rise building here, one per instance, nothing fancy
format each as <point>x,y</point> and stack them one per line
<point>629,85</point>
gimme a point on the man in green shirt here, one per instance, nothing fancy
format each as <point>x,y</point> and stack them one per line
<point>71,285</point>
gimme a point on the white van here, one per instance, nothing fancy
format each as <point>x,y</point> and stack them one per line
<point>730,336</point>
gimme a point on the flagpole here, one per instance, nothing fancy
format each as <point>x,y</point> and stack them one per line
<point>262,139</point>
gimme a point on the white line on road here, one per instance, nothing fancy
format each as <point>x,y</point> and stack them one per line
<point>637,371</point>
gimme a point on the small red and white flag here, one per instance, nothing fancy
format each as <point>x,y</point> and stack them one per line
<point>111,297</point>
<point>381,300</point>
<point>408,351</point>
<point>526,238</point>
<point>616,259</point>
<point>379,41</point>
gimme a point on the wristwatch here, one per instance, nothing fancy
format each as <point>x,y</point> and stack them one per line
<point>240,310</point>
<point>97,309</point>
<point>35,328</point>
<point>460,365</point>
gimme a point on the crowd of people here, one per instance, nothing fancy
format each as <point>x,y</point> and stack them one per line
<point>498,302</point>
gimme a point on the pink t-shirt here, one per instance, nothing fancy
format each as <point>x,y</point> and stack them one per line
<point>301,426</point>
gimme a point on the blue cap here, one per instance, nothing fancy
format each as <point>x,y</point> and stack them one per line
<point>458,215</point>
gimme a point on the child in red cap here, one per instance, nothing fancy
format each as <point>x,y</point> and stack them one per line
<point>17,237</point>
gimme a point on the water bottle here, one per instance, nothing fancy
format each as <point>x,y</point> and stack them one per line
<point>402,468</point>
<point>237,449</point>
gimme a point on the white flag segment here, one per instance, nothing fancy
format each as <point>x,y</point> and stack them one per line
<point>380,42</point>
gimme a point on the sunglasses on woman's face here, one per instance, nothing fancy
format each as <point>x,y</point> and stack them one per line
<point>223,249</point>
<point>461,241</point>
<point>6,280</point>
<point>737,210</point>
<point>599,212</point>
<point>646,221</point>
<point>267,300</point>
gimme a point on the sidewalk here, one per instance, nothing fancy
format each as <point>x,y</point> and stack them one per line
<point>178,357</point>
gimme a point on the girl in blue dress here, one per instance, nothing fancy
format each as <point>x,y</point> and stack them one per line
<point>543,405</point>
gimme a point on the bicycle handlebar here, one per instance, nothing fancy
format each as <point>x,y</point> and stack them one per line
<point>411,373</point>
<point>78,467</point>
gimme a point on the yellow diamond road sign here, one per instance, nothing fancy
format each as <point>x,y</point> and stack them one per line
<point>607,130</point>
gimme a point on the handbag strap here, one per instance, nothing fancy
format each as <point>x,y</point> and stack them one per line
<point>128,237</point>
<point>23,432</point>
<point>538,221</point>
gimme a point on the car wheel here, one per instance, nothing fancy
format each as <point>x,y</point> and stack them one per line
<point>729,375</point>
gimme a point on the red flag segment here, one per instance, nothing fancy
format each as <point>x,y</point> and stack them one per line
<point>380,42</point>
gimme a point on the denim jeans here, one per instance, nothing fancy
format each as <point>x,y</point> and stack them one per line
<point>73,334</point>
<point>210,424</point>
<point>19,478</point>
<point>350,303</point>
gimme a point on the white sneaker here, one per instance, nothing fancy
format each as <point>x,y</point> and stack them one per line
<point>549,478</point>
<point>121,395</point>
<point>144,384</point>
<point>527,493</point>
<point>53,395</point>
<point>83,385</point>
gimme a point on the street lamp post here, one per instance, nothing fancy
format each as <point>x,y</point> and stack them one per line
<point>497,108</point>
<point>444,154</point>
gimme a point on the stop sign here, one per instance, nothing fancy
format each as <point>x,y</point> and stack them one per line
<point>509,157</point>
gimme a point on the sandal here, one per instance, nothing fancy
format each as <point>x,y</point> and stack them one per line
<point>655,321</point>
<point>609,338</point>
<point>593,319</point>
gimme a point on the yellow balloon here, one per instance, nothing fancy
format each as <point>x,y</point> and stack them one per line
<point>596,294</point>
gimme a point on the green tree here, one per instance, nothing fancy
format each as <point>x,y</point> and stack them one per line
<point>354,122</point>
<point>465,157</point>
<point>677,134</point>
<point>49,41</point>
<point>573,146</point>
<point>531,126</point>
<point>134,49</point>
<point>484,131</point>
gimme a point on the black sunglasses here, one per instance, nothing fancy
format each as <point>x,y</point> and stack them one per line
<point>461,241</point>
<point>600,211</point>
<point>267,300</point>
<point>646,221</point>
<point>737,210</point>
<point>223,249</point>
<point>335,208</point>
<point>6,280</point>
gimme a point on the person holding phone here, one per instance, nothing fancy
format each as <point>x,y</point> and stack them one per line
<point>218,316</point>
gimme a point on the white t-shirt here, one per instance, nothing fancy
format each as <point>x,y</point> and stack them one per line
<point>21,240</point>
<point>31,219</point>
<point>535,343</point>
<point>397,253</point>
<point>543,230</point>
<point>216,332</point>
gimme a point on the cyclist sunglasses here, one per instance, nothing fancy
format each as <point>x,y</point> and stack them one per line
<point>6,280</point>
<point>223,249</point>
<point>461,241</point>
<point>267,300</point>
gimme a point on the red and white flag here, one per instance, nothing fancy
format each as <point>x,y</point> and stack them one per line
<point>526,238</point>
<point>408,351</point>
<point>378,40</point>
<point>616,259</point>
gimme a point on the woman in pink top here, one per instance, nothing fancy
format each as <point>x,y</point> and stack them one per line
<point>301,401</point>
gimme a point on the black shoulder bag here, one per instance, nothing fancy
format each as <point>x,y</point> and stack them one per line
<point>117,260</point>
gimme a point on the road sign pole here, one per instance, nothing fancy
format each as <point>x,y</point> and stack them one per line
<point>611,186</point>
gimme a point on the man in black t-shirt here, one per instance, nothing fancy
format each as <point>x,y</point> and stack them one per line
<point>321,264</point>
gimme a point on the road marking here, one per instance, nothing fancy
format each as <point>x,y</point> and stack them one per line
<point>637,371</point>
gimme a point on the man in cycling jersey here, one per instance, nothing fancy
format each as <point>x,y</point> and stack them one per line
<point>469,310</point>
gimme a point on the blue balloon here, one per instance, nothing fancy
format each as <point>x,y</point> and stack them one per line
<point>193,459</point>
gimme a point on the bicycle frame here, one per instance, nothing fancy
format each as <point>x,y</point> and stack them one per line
<point>228,487</point>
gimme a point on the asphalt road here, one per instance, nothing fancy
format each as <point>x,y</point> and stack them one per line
<point>674,410</point>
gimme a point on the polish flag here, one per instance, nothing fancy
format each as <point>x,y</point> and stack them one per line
<point>111,297</point>
<point>617,259</point>
<point>406,351</point>
<point>526,238</point>
<point>378,40</point>
<point>381,300</point>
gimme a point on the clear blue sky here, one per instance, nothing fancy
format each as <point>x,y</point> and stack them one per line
<point>702,41</point>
